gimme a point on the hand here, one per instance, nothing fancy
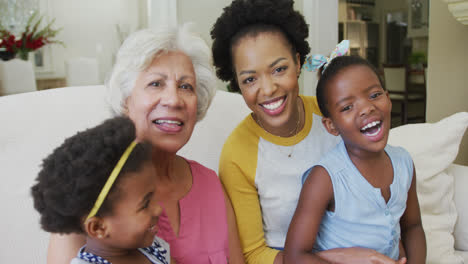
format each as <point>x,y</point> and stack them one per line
<point>357,255</point>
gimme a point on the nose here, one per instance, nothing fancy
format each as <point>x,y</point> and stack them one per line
<point>157,210</point>
<point>170,95</point>
<point>367,107</point>
<point>269,86</point>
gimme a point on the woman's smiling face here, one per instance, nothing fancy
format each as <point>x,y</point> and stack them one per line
<point>267,72</point>
<point>163,102</point>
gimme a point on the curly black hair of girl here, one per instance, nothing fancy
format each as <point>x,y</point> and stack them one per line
<point>249,18</point>
<point>334,67</point>
<point>72,177</point>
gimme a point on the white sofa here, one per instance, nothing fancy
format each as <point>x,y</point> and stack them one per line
<point>33,124</point>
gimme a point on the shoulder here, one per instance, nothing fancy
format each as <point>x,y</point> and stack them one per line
<point>317,171</point>
<point>201,172</point>
<point>399,154</point>
<point>318,182</point>
<point>158,252</point>
<point>240,149</point>
<point>244,133</point>
<point>311,105</point>
<point>331,162</point>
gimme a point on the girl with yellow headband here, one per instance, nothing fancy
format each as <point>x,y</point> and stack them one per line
<point>100,183</point>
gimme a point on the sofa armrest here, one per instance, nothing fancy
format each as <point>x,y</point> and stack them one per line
<point>460,174</point>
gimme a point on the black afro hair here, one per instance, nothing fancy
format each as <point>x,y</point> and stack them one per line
<point>244,17</point>
<point>72,177</point>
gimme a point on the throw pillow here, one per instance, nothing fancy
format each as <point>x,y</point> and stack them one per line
<point>433,148</point>
<point>461,196</point>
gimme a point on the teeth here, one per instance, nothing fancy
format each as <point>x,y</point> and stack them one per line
<point>371,124</point>
<point>159,121</point>
<point>375,133</point>
<point>273,105</point>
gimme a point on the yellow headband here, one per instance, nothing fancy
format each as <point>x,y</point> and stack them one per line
<point>115,172</point>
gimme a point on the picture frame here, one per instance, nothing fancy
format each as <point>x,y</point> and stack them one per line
<point>418,18</point>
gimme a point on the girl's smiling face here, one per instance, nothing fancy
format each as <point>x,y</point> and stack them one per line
<point>359,109</point>
<point>133,222</point>
<point>267,72</point>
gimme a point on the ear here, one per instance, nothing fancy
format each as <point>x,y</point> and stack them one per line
<point>330,126</point>
<point>389,101</point>
<point>96,227</point>
<point>125,106</point>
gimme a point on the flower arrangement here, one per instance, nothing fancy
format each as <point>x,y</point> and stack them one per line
<point>31,39</point>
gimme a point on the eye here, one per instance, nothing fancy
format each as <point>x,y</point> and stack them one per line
<point>375,95</point>
<point>346,108</point>
<point>146,205</point>
<point>186,86</point>
<point>248,80</point>
<point>281,69</point>
<point>155,84</point>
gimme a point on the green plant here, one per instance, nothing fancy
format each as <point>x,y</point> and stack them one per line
<point>417,57</point>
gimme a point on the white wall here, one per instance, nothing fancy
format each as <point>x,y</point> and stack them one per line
<point>447,84</point>
<point>203,13</point>
<point>89,30</point>
<point>322,17</point>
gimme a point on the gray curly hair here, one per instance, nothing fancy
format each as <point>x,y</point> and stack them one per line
<point>140,48</point>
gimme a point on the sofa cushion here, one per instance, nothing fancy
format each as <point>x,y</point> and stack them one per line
<point>33,124</point>
<point>433,148</point>
<point>460,174</point>
<point>226,111</point>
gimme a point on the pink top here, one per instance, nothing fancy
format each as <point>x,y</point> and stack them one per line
<point>203,231</point>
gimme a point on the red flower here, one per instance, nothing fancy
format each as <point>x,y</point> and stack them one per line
<point>31,39</point>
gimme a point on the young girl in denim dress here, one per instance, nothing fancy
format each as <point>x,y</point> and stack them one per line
<point>362,193</point>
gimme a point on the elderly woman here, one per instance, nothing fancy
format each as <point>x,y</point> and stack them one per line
<point>163,80</point>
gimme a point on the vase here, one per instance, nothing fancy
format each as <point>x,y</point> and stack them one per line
<point>6,55</point>
<point>22,54</point>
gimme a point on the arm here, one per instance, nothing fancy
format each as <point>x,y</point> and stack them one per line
<point>63,248</point>
<point>235,251</point>
<point>401,250</point>
<point>316,195</point>
<point>357,255</point>
<point>412,232</point>
<point>244,198</point>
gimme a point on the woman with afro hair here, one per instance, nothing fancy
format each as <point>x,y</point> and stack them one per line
<point>259,47</point>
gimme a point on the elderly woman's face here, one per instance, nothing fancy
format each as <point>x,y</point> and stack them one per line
<point>163,102</point>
